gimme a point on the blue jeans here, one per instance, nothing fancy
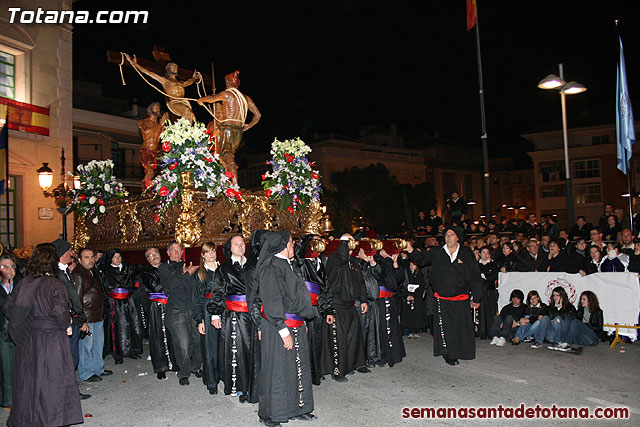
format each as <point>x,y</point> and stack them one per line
<point>73,342</point>
<point>535,330</point>
<point>580,334</point>
<point>558,330</point>
<point>506,331</point>
<point>91,361</point>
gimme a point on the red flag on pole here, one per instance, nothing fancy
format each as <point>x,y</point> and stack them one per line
<point>472,14</point>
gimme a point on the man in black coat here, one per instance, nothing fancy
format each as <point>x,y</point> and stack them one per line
<point>177,282</point>
<point>454,271</point>
<point>530,259</point>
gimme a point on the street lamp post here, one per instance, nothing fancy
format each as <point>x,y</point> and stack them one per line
<point>571,88</point>
<point>59,193</point>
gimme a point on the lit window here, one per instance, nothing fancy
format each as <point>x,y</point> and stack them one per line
<point>585,169</point>
<point>587,193</point>
<point>7,75</point>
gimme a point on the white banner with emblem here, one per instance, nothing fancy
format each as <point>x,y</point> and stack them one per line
<point>618,293</point>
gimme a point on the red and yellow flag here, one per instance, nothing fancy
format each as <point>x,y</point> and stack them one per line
<point>472,14</point>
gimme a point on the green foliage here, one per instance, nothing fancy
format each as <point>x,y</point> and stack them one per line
<point>375,195</point>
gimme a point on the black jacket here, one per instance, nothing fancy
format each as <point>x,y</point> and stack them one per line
<point>567,313</point>
<point>75,305</point>
<point>596,320</point>
<point>527,263</point>
<point>534,312</point>
<point>510,262</point>
<point>4,322</point>
<point>516,313</point>
<point>177,285</point>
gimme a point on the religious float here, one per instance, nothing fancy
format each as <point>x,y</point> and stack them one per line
<point>191,192</point>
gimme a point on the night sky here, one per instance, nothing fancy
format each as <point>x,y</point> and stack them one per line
<point>335,66</point>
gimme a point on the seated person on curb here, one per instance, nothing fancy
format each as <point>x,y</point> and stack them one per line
<point>530,325</point>
<point>561,312</point>
<point>587,328</point>
<point>504,326</point>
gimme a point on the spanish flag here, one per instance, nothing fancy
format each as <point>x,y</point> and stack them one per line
<point>472,14</point>
<point>4,154</point>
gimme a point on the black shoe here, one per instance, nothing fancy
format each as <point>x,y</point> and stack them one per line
<point>452,362</point>
<point>516,342</point>
<point>370,364</point>
<point>305,417</point>
<point>363,370</point>
<point>527,340</point>
<point>135,356</point>
<point>84,396</point>
<point>339,378</point>
<point>351,372</point>
<point>162,376</point>
<point>106,373</point>
<point>93,379</point>
<point>198,373</point>
<point>269,423</point>
<point>243,398</point>
<point>381,364</point>
<point>213,390</point>
<point>119,361</point>
<point>184,381</point>
<point>315,381</point>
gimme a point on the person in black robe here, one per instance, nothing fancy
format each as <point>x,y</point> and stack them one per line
<point>124,329</point>
<point>238,333</point>
<point>489,306</point>
<point>412,314</point>
<point>313,272</point>
<point>160,342</point>
<point>255,307</point>
<point>454,271</point>
<point>285,389</point>
<point>389,331</point>
<point>347,286</point>
<point>208,325</point>
<point>370,320</point>
<point>45,392</point>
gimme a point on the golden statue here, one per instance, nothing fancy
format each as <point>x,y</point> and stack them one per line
<point>150,129</point>
<point>229,121</point>
<point>173,88</point>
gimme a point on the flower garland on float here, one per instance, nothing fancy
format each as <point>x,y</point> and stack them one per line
<point>98,185</point>
<point>186,148</point>
<point>292,179</point>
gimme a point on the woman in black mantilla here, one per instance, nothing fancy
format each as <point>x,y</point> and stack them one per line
<point>124,329</point>
<point>285,390</point>
<point>238,330</point>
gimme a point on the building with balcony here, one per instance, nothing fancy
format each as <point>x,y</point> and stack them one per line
<point>36,95</point>
<point>593,162</point>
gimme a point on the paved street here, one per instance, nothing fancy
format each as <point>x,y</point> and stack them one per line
<point>508,376</point>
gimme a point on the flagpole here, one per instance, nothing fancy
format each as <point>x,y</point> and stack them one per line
<point>6,183</point>
<point>484,137</point>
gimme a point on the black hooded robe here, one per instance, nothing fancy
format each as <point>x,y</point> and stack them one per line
<point>238,334</point>
<point>390,333</point>
<point>345,281</point>
<point>285,388</point>
<point>124,329</point>
<point>160,344</point>
<point>370,321</point>
<point>454,335</point>
<point>313,273</point>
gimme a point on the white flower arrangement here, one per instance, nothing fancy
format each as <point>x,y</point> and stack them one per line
<point>292,179</point>
<point>98,185</point>
<point>186,149</point>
